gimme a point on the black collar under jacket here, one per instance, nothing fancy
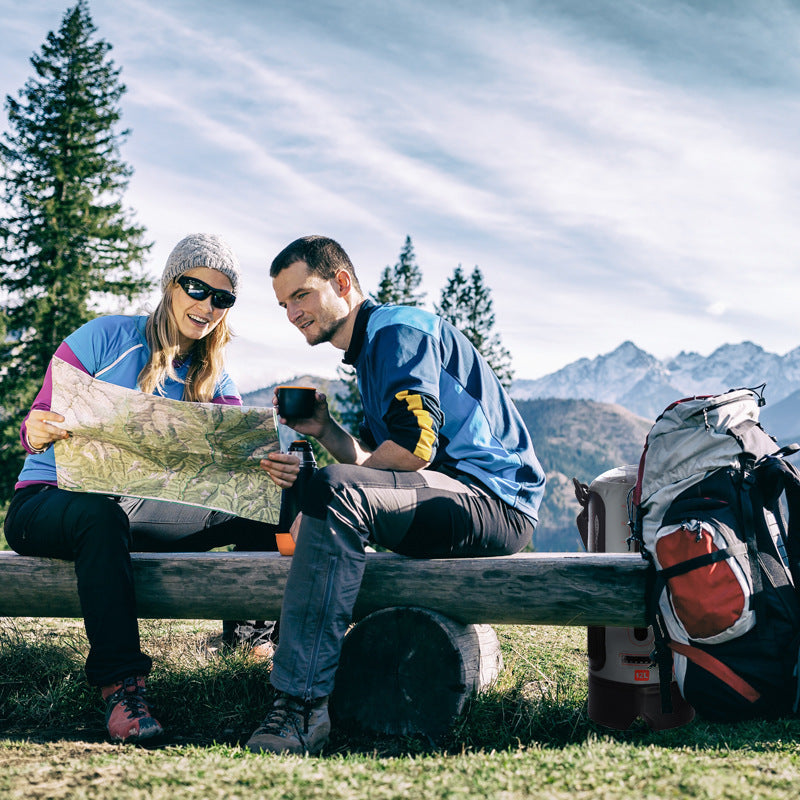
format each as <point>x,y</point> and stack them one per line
<point>359,332</point>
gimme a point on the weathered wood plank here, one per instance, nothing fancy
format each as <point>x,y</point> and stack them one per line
<point>605,589</point>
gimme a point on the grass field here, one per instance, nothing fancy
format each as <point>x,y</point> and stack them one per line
<point>528,736</point>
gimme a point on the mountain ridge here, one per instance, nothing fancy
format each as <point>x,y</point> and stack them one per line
<point>644,384</point>
<point>594,414</point>
<point>638,381</point>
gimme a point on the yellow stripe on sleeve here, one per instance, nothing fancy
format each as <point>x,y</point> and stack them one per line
<point>427,437</point>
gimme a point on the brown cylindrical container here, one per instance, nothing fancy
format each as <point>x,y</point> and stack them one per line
<point>623,684</point>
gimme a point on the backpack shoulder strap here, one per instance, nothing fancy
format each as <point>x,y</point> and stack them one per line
<point>777,477</point>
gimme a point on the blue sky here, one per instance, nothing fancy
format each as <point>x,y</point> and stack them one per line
<point>618,169</point>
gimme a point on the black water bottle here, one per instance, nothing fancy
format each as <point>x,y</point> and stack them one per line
<point>292,498</point>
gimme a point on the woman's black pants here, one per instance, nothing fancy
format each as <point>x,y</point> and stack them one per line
<point>98,533</point>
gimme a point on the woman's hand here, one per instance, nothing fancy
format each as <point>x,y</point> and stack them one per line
<point>283,468</point>
<point>39,431</point>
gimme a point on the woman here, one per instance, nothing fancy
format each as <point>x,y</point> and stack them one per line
<point>175,352</point>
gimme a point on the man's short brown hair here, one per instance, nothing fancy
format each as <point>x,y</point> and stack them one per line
<point>324,257</point>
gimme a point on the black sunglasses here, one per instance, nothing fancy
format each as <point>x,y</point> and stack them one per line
<point>199,290</point>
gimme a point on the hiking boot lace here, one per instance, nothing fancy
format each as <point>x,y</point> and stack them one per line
<point>283,718</point>
<point>131,698</point>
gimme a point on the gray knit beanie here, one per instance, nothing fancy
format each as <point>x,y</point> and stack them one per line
<point>201,250</point>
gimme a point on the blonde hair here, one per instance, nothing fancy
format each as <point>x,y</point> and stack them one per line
<point>207,354</point>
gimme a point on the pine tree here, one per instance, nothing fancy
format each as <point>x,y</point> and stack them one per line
<point>399,284</point>
<point>348,408</point>
<point>467,304</point>
<point>68,242</point>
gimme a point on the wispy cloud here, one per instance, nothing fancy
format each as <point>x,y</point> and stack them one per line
<point>623,170</point>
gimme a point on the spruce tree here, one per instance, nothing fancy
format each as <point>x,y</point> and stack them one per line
<point>399,284</point>
<point>348,409</point>
<point>467,304</point>
<point>68,244</point>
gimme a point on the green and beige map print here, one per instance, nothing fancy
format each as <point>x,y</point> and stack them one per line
<point>125,442</point>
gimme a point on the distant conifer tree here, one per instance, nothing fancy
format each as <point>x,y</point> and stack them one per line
<point>68,242</point>
<point>399,284</point>
<point>467,304</point>
<point>348,409</point>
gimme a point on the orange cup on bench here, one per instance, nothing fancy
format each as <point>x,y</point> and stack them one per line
<point>285,543</point>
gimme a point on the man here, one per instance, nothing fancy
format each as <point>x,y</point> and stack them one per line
<point>444,468</point>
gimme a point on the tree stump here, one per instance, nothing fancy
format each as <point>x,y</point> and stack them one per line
<point>410,670</point>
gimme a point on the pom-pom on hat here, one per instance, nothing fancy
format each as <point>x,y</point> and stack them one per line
<point>201,250</point>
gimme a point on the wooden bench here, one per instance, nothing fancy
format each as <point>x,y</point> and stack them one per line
<point>422,642</point>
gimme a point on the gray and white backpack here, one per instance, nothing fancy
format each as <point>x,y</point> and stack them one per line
<point>709,511</point>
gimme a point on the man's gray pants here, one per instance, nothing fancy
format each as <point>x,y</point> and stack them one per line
<point>424,514</point>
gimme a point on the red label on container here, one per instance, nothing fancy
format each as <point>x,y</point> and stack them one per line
<point>641,674</point>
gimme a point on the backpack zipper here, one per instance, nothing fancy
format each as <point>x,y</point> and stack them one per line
<point>715,406</point>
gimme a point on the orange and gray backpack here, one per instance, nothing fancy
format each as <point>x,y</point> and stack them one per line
<point>716,512</point>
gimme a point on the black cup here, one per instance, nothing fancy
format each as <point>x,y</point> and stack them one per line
<point>296,402</point>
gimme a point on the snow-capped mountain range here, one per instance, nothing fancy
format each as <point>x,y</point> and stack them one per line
<point>641,383</point>
<point>645,385</point>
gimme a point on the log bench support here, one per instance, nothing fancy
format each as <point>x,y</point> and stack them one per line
<point>422,642</point>
<point>409,670</point>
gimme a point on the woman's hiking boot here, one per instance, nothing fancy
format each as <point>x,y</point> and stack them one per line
<point>293,726</point>
<point>128,716</point>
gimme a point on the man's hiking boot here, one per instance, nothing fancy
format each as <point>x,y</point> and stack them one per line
<point>259,637</point>
<point>128,717</point>
<point>293,726</point>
